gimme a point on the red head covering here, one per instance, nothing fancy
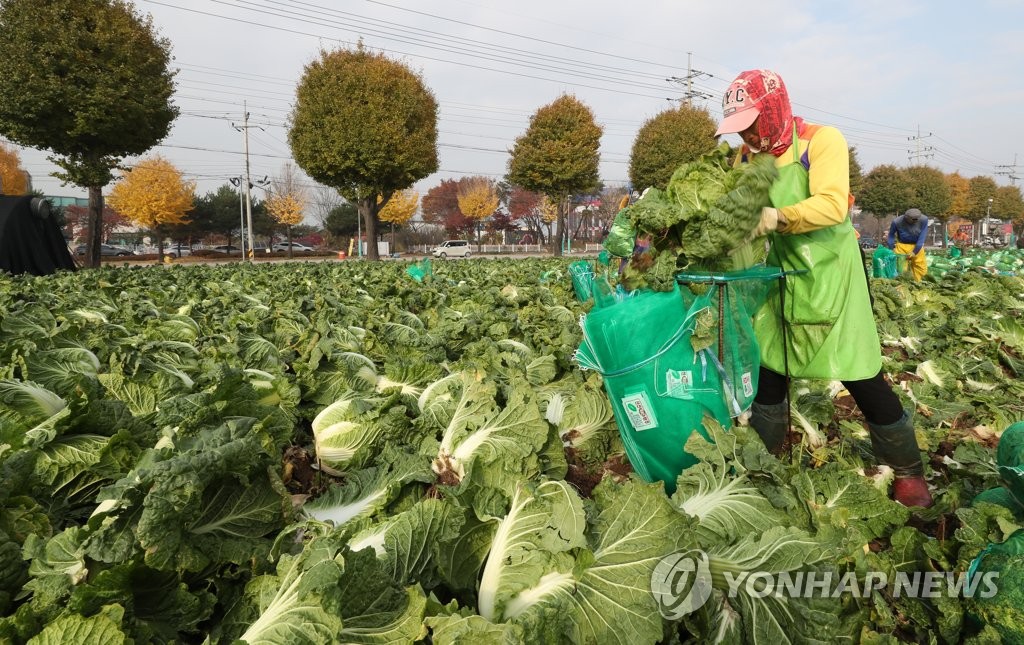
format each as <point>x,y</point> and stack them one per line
<point>760,93</point>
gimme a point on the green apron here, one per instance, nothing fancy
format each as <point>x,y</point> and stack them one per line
<point>829,325</point>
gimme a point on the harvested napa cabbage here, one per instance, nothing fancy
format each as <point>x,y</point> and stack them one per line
<point>704,218</point>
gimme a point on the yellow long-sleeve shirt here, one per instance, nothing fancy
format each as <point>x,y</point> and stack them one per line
<point>829,181</point>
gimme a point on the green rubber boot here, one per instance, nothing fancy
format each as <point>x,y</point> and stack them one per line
<point>769,421</point>
<point>896,446</point>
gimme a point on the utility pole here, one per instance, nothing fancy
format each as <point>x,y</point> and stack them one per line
<point>237,182</point>
<point>1009,170</point>
<point>919,152</point>
<point>691,74</point>
<point>244,129</point>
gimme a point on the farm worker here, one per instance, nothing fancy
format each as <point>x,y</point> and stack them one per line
<point>828,329</point>
<point>907,235</point>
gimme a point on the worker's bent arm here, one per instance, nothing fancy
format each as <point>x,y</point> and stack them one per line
<point>922,238</point>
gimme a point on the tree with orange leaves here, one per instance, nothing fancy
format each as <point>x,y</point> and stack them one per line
<point>478,199</point>
<point>287,203</point>
<point>153,195</point>
<point>13,180</point>
<point>399,210</point>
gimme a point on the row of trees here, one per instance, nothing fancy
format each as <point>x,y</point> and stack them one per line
<point>366,125</point>
<point>513,208</point>
<point>677,136</point>
<point>363,125</point>
<point>88,80</point>
<point>888,190</point>
<point>155,197</point>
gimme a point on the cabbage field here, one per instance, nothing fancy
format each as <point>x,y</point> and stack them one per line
<point>339,453</point>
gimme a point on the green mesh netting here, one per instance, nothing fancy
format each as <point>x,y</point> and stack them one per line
<point>659,388</point>
<point>1010,460</point>
<point>419,270</point>
<point>671,358</point>
<point>997,603</point>
<point>582,274</point>
<point>887,264</point>
<point>1010,465</point>
<point>728,332</point>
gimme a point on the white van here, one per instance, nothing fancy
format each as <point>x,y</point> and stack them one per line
<point>452,248</point>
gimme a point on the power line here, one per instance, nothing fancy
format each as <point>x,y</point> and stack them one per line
<point>244,129</point>
<point>919,152</point>
<point>464,48</point>
<point>509,33</point>
<point>618,89</point>
<point>691,74</point>
<point>846,128</point>
<point>1009,170</point>
<point>388,27</point>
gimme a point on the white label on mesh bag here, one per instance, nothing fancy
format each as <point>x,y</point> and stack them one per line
<point>638,409</point>
<point>678,383</point>
<point>748,384</point>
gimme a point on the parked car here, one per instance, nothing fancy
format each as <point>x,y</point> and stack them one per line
<point>107,249</point>
<point>225,248</point>
<point>296,247</point>
<point>452,248</point>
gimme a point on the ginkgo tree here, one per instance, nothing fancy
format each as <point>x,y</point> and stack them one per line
<point>154,195</point>
<point>91,82</point>
<point>365,125</point>
<point>478,199</point>
<point>399,210</point>
<point>12,176</point>
<point>548,211</point>
<point>558,156</point>
<point>668,140</point>
<point>287,201</point>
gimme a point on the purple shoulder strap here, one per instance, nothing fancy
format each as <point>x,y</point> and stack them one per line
<point>803,159</point>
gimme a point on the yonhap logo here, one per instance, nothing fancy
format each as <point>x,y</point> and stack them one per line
<point>681,583</point>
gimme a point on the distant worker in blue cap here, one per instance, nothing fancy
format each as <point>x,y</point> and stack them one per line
<point>906,236</point>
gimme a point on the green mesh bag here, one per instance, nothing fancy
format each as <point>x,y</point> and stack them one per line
<point>878,261</point>
<point>582,274</point>
<point>999,496</point>
<point>419,270</point>
<point>660,388</point>
<point>1010,460</point>
<point>998,602</point>
<point>887,264</point>
<point>728,333</point>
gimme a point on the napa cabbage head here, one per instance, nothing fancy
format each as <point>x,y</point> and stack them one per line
<point>342,437</point>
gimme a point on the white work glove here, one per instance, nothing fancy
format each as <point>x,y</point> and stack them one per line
<point>771,219</point>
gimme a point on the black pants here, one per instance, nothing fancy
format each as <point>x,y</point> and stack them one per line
<point>874,396</point>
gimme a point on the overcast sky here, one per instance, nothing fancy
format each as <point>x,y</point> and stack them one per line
<point>881,71</point>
